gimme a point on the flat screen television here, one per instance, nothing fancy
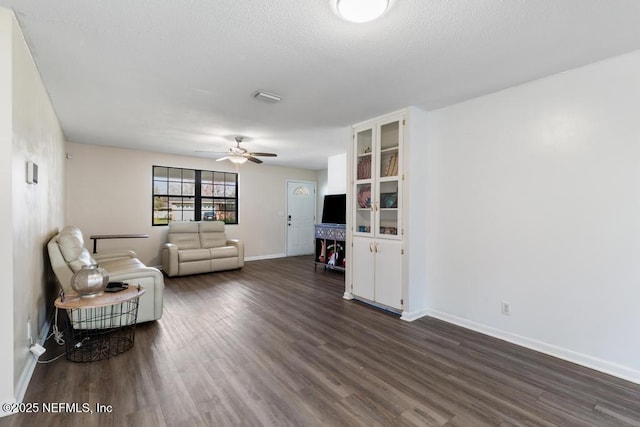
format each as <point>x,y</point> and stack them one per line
<point>334,210</point>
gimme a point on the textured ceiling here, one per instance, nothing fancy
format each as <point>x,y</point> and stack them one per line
<point>177,76</point>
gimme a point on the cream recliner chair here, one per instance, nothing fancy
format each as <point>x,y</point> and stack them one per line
<point>68,254</point>
<point>200,247</point>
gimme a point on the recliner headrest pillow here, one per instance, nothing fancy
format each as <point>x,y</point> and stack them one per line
<point>71,243</point>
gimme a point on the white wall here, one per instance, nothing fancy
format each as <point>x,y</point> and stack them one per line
<point>332,180</point>
<point>321,192</point>
<point>110,193</point>
<point>337,174</point>
<point>36,210</point>
<point>414,206</point>
<point>6,215</point>
<point>534,199</point>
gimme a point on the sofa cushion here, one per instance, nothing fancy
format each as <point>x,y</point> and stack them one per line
<point>212,234</point>
<point>71,243</point>
<point>187,255</point>
<point>184,234</point>
<point>185,240</point>
<point>213,240</point>
<point>121,264</point>
<point>224,252</point>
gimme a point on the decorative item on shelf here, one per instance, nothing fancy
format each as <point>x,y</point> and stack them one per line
<point>323,251</point>
<point>90,280</point>
<point>389,230</point>
<point>389,200</point>
<point>364,197</point>
<point>335,252</point>
<point>391,168</point>
<point>364,168</point>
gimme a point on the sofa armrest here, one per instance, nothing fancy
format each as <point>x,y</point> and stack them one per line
<point>151,303</point>
<point>137,273</point>
<point>170,259</point>
<point>105,256</point>
<point>240,245</point>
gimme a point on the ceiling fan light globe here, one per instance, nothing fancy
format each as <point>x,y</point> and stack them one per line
<point>238,159</point>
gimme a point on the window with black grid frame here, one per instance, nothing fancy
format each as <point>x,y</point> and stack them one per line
<point>181,194</point>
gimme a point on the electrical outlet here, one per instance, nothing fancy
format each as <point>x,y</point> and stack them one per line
<point>506,308</point>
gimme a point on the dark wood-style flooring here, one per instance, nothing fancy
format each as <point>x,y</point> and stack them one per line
<point>274,344</point>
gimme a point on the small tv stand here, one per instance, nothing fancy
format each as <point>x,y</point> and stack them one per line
<point>331,246</point>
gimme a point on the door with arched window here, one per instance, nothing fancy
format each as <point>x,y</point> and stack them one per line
<point>301,210</point>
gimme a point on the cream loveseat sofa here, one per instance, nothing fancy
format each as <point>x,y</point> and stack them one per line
<point>200,247</point>
<point>68,254</point>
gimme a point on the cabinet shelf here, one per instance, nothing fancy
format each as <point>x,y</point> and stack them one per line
<point>389,178</point>
<point>388,149</point>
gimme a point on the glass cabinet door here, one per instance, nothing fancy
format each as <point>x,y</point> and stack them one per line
<point>388,169</point>
<point>364,183</point>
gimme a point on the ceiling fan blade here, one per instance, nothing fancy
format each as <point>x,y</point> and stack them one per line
<point>212,152</point>
<point>253,159</point>
<point>222,158</point>
<point>263,154</point>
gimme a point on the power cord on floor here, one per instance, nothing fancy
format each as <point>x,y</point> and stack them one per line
<point>58,338</point>
<point>51,360</point>
<point>56,333</point>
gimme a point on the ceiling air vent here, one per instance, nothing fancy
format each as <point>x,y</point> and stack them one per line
<point>266,96</point>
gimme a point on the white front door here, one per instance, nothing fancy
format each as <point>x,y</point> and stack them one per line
<point>301,212</point>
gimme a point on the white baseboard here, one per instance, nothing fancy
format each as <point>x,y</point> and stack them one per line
<point>27,372</point>
<point>261,257</point>
<point>347,296</point>
<point>249,258</point>
<point>604,366</point>
<point>410,316</point>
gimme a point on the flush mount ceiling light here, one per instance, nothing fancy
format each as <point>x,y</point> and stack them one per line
<point>361,10</point>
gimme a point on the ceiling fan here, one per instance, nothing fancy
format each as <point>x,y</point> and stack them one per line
<point>240,155</point>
